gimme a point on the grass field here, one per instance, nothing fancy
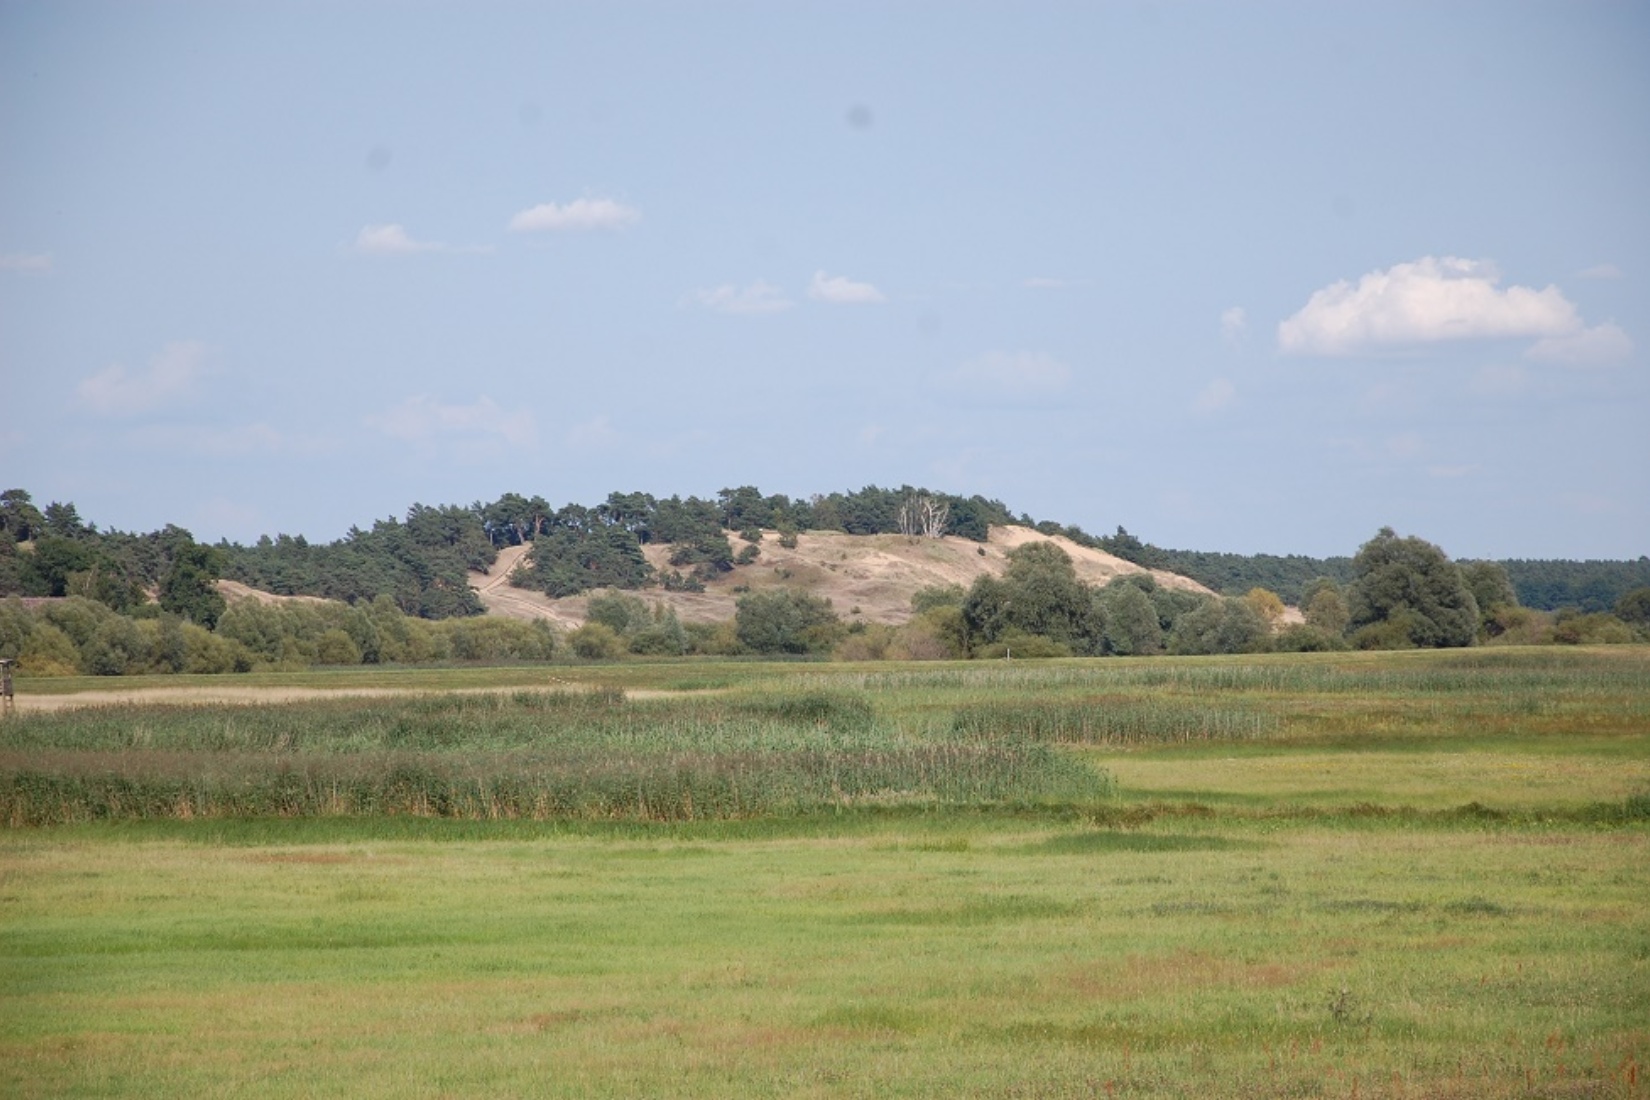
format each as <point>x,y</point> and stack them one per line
<point>1417,875</point>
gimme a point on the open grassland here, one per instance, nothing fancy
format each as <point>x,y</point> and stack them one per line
<point>1417,875</point>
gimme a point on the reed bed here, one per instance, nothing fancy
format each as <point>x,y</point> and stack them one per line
<point>1587,673</point>
<point>1113,721</point>
<point>523,755</point>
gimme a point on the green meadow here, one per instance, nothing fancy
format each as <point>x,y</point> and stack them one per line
<point>1375,875</point>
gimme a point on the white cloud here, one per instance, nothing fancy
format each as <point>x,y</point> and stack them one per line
<point>1215,396</point>
<point>580,214</point>
<point>172,373</point>
<point>1463,470</point>
<point>759,297</point>
<point>1234,324</point>
<point>1043,282</point>
<point>1590,347</point>
<point>421,419</point>
<point>394,240</point>
<point>390,240</point>
<point>595,434</point>
<point>1021,374</point>
<point>842,291</point>
<point>1601,271</point>
<point>38,263</point>
<point>1424,302</point>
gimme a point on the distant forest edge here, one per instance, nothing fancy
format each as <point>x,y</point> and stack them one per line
<point>422,562</point>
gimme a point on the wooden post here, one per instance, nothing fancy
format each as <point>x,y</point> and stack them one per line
<point>5,683</point>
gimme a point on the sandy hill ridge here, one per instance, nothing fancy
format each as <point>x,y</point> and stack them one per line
<point>870,577</point>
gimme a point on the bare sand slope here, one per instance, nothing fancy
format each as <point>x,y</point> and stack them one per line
<point>871,577</point>
<point>235,590</point>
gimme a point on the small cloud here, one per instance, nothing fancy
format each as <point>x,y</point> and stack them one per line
<point>842,291</point>
<point>116,391</point>
<point>1601,271</point>
<point>871,434</point>
<point>1466,470</point>
<point>390,240</point>
<point>1234,324</point>
<point>1425,302</point>
<point>1020,374</point>
<point>759,297</point>
<point>33,263</point>
<point>421,419</point>
<point>596,434</point>
<point>1044,282</point>
<point>578,215</point>
<point>1215,396</point>
<point>393,240</point>
<point>1590,347</point>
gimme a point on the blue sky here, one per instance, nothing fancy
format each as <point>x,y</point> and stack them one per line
<point>1238,277</point>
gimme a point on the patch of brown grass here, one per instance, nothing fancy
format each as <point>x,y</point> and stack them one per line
<point>1180,971</point>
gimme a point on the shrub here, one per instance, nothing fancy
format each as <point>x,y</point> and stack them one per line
<point>936,596</point>
<point>205,652</point>
<point>1018,645</point>
<point>620,613</point>
<point>1222,625</point>
<point>874,642</point>
<point>1518,626</point>
<point>663,636</point>
<point>47,651</point>
<point>1306,638</point>
<point>1596,628</point>
<point>1267,604</point>
<point>713,639</point>
<point>335,647</point>
<point>497,639</point>
<point>674,581</point>
<point>1395,632</point>
<point>117,647</point>
<point>595,642</point>
<point>786,620</point>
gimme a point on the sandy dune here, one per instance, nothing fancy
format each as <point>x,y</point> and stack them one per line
<point>864,576</point>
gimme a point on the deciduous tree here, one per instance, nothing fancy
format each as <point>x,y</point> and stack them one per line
<point>786,620</point>
<point>1411,582</point>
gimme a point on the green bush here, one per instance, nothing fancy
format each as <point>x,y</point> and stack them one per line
<point>336,647</point>
<point>47,651</point>
<point>786,620</point>
<point>1018,645</point>
<point>595,642</point>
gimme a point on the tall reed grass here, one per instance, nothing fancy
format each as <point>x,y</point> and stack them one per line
<point>531,755</point>
<point>1114,721</point>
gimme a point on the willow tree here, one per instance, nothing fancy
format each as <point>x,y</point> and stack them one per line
<point>1408,593</point>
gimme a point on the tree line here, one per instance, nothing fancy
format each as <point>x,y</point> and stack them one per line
<point>150,602</point>
<point>1541,584</point>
